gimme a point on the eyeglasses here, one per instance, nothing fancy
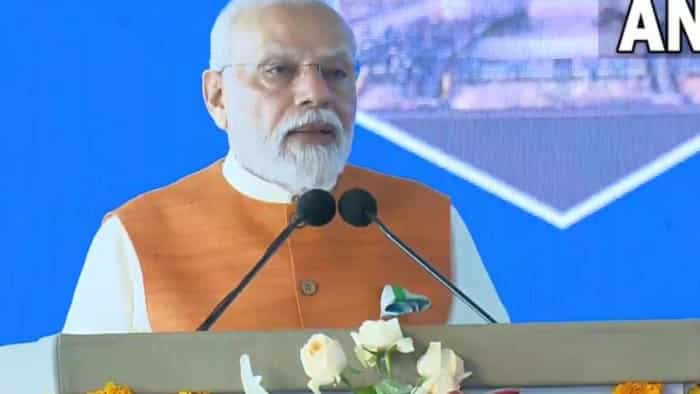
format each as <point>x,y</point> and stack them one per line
<point>278,75</point>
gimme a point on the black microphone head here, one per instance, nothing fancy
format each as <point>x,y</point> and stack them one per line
<point>316,207</point>
<point>357,207</point>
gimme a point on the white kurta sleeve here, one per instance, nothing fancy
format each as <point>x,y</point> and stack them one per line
<point>472,278</point>
<point>109,297</point>
<point>29,367</point>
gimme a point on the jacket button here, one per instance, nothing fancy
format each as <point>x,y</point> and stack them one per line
<point>309,287</point>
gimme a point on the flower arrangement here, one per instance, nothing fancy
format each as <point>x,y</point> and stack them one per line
<point>440,370</point>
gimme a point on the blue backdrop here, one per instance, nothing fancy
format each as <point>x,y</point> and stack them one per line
<point>102,101</point>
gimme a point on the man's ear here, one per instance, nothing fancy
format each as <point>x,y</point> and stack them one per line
<point>213,92</point>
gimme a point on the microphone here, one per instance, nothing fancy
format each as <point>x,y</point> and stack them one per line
<point>358,208</point>
<point>314,208</point>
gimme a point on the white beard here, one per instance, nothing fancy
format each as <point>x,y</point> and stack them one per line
<point>295,167</point>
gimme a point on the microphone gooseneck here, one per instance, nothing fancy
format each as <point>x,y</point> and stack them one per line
<point>359,208</point>
<point>314,208</point>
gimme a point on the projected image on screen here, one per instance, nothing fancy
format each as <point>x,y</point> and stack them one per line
<point>516,93</point>
<point>500,55</point>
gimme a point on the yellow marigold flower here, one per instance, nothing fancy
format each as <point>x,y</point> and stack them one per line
<point>112,388</point>
<point>639,388</point>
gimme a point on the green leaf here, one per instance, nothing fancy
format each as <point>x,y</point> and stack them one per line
<point>366,390</point>
<point>389,386</point>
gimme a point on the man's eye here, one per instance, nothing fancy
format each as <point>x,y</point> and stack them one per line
<point>278,70</point>
<point>337,74</point>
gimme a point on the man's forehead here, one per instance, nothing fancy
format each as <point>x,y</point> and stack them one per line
<point>255,47</point>
<point>273,48</point>
<point>284,31</point>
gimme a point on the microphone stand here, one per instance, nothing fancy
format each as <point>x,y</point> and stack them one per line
<point>221,307</point>
<point>433,272</point>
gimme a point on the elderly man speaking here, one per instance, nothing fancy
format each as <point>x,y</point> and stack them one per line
<point>281,83</point>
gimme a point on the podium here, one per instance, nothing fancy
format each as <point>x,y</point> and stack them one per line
<point>538,355</point>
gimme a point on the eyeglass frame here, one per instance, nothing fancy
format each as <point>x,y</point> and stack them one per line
<point>300,66</point>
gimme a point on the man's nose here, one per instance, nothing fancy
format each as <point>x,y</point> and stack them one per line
<point>311,88</point>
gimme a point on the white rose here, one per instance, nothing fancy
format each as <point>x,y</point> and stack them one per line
<point>323,360</point>
<point>442,370</point>
<point>379,336</point>
<point>251,384</point>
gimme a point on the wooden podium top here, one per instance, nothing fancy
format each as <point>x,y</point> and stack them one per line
<point>499,356</point>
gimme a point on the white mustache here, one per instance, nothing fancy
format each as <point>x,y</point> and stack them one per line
<point>314,116</point>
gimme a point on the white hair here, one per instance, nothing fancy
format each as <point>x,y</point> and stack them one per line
<point>222,31</point>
